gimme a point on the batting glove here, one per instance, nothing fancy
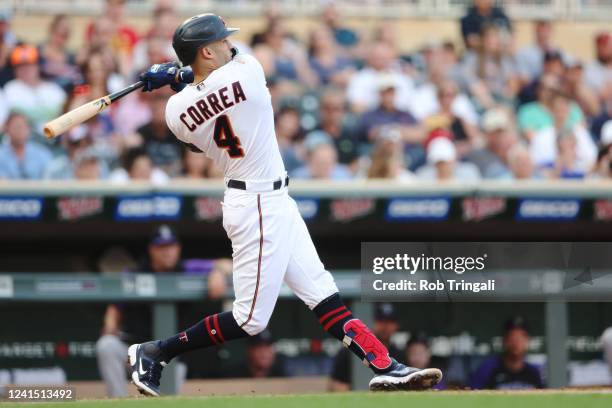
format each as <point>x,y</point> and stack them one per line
<point>170,73</point>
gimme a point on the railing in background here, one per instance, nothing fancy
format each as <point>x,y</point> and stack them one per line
<point>434,9</point>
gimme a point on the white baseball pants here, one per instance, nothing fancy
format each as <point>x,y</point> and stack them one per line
<point>271,244</point>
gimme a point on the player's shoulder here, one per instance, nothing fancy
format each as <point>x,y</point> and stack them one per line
<point>246,59</point>
<point>241,64</point>
<point>175,102</point>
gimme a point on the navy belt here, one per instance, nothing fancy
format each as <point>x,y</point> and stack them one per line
<point>241,185</point>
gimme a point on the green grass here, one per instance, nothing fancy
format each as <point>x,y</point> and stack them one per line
<point>465,399</point>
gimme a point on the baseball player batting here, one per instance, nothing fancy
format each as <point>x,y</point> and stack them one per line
<point>225,112</point>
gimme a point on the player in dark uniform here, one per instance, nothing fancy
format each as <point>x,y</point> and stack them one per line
<point>509,370</point>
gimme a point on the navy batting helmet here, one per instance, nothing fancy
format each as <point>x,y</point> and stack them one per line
<point>197,32</point>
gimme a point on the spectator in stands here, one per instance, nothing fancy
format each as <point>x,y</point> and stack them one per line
<point>387,160</point>
<point>605,116</point>
<point>321,160</point>
<point>553,68</point>
<point>288,133</point>
<point>598,74</point>
<point>345,37</point>
<point>156,47</point>
<point>197,166</point>
<point>603,167</point>
<point>57,63</point>
<point>330,66</point>
<point>138,166</point>
<point>100,73</point>
<point>417,352</point>
<point>98,77</point>
<point>386,33</point>
<point>76,141</point>
<point>456,114</point>
<point>575,85</point>
<point>387,116</point>
<point>157,139</point>
<point>102,40</point>
<point>537,115</point>
<point>520,163</point>
<point>132,112</point>
<point>441,72</point>
<point>567,164</point>
<point>482,13</point>
<point>363,92</point>
<point>442,164</point>
<point>4,108</point>
<point>28,93</point>
<point>605,138</point>
<point>122,37</point>
<point>530,59</point>
<point>262,360</point>
<point>385,326</point>
<point>509,370</point>
<point>7,42</point>
<point>339,125</point>
<point>499,138</point>
<point>490,72</point>
<point>272,13</point>
<point>20,157</point>
<point>544,142</point>
<point>87,165</point>
<point>283,57</point>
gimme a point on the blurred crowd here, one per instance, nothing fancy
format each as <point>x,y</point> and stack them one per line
<point>348,104</point>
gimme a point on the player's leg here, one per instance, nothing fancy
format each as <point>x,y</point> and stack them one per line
<point>258,230</point>
<point>309,280</point>
<point>110,353</point>
<point>259,267</point>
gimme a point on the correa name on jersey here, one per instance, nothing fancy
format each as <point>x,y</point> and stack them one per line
<point>211,105</point>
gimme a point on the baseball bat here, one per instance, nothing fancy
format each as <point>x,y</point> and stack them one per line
<point>85,112</point>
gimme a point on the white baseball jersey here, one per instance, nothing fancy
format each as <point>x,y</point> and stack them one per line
<point>229,117</point>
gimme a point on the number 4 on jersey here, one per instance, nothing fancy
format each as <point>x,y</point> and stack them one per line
<point>226,139</point>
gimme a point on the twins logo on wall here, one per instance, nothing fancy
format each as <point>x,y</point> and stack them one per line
<point>481,208</point>
<point>208,208</point>
<point>602,210</point>
<point>345,210</point>
<point>76,208</point>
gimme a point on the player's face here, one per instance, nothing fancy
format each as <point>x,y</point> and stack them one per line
<point>262,356</point>
<point>516,342</point>
<point>417,355</point>
<point>384,329</point>
<point>222,51</point>
<point>164,257</point>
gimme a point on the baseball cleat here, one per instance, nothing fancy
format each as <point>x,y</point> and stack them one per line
<point>406,378</point>
<point>146,366</point>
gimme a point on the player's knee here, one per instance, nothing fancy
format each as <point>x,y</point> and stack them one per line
<point>256,326</point>
<point>253,322</point>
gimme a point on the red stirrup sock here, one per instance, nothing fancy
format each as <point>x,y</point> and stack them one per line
<point>212,330</point>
